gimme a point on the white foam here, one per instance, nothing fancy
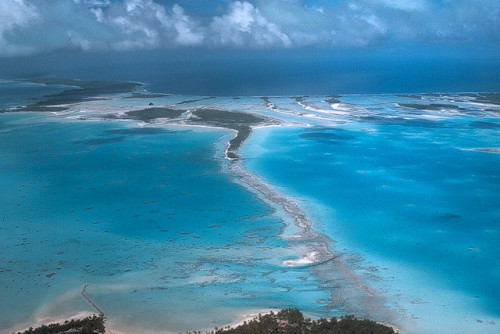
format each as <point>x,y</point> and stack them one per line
<point>306,259</point>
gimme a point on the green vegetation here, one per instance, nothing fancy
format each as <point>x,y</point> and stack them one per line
<point>410,96</point>
<point>223,118</point>
<point>196,100</point>
<point>241,122</point>
<point>292,321</point>
<point>299,99</point>
<point>90,325</point>
<point>84,91</point>
<point>287,321</point>
<point>235,143</point>
<point>145,95</point>
<point>35,108</point>
<point>77,91</point>
<point>149,114</point>
<point>432,106</point>
<point>269,104</point>
<point>490,98</point>
<point>333,99</point>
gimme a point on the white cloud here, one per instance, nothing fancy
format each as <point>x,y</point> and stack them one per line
<point>138,22</point>
<point>14,15</point>
<point>187,32</point>
<point>147,24</point>
<point>30,26</point>
<point>406,5</point>
<point>243,25</point>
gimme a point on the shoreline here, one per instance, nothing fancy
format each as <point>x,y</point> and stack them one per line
<point>39,322</point>
<point>350,291</point>
<point>313,247</point>
<point>244,318</point>
<point>327,266</point>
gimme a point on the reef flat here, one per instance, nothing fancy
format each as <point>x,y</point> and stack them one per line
<point>230,206</point>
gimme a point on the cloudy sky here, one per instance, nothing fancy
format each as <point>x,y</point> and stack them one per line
<point>403,29</point>
<point>35,26</point>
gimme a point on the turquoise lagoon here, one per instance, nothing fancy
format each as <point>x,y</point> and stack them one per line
<point>166,236</point>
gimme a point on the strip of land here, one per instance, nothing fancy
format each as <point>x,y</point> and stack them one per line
<point>77,91</point>
<point>287,321</point>
<point>318,253</point>
<point>238,121</point>
<point>80,91</point>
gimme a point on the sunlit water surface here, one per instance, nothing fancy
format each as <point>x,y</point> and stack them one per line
<point>164,237</point>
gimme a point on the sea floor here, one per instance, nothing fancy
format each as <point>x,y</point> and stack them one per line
<point>381,206</point>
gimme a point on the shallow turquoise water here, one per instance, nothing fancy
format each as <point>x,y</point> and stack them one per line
<point>146,217</point>
<point>151,219</point>
<point>412,195</point>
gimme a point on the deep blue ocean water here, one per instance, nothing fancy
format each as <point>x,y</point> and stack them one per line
<point>224,72</point>
<point>153,221</point>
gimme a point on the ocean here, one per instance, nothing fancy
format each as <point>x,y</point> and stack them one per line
<point>224,72</point>
<point>382,206</point>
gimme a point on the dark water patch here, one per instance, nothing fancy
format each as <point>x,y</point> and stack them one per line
<point>449,217</point>
<point>484,125</point>
<point>422,123</point>
<point>149,114</point>
<point>414,122</point>
<point>418,123</point>
<point>372,119</point>
<point>333,136</point>
<point>99,141</point>
<point>137,131</point>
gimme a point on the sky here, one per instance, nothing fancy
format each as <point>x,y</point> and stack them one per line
<point>403,31</point>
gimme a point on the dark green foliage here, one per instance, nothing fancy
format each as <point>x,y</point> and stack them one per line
<point>299,99</point>
<point>432,106</point>
<point>239,121</point>
<point>83,91</point>
<point>89,325</point>
<point>196,100</point>
<point>227,119</point>
<point>149,114</point>
<point>287,321</point>
<point>291,321</point>
<point>235,143</point>
<point>333,99</point>
<point>490,98</point>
